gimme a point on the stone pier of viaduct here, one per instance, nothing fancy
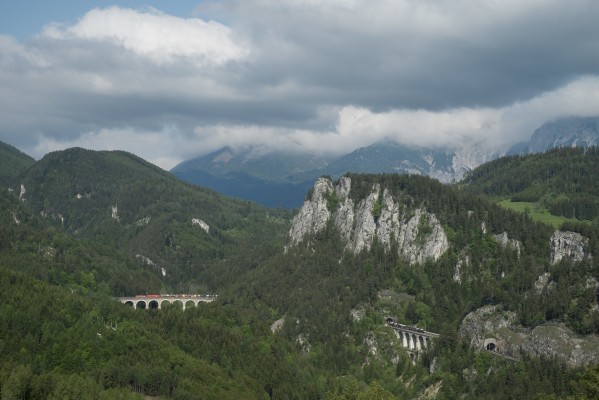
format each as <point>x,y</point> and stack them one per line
<point>412,338</point>
<point>157,301</point>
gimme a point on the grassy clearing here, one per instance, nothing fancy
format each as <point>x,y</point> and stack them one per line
<point>536,212</point>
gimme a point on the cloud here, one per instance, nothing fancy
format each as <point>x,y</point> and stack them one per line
<point>163,38</point>
<point>358,126</point>
<point>323,76</point>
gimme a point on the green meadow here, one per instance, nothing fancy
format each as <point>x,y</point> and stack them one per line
<point>536,212</point>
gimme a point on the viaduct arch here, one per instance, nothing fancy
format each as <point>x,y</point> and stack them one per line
<point>412,338</point>
<point>157,301</point>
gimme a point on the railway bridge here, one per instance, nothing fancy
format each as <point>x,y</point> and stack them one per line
<point>412,337</point>
<point>157,301</point>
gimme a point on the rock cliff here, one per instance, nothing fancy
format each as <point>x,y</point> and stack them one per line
<point>507,243</point>
<point>490,324</point>
<point>416,232</point>
<point>571,245</point>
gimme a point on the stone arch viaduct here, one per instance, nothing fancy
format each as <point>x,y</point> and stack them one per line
<point>157,301</point>
<point>412,338</point>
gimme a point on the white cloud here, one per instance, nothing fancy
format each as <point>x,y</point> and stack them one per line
<point>153,34</point>
<point>358,126</point>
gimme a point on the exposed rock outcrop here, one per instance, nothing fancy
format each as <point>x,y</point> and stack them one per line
<point>22,193</point>
<point>143,221</point>
<point>556,340</point>
<point>417,233</point>
<point>484,323</point>
<point>115,212</point>
<point>507,243</point>
<point>14,218</point>
<point>571,245</point>
<point>491,324</point>
<point>463,262</point>
<point>201,224</point>
<point>277,325</point>
<point>543,282</point>
<point>143,260</point>
<point>314,214</point>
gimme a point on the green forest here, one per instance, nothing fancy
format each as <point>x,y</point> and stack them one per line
<point>563,180</point>
<point>64,255</point>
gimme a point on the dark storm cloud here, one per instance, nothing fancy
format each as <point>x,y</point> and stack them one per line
<point>424,54</point>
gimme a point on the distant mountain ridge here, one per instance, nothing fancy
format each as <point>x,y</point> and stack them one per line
<point>566,132</point>
<point>279,179</point>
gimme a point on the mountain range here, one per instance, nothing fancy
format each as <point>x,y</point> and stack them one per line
<point>279,179</point>
<point>303,297</point>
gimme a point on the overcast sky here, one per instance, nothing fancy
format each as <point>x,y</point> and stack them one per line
<point>172,81</point>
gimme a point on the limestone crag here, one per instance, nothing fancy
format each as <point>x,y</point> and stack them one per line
<point>507,243</point>
<point>314,214</point>
<point>417,233</point>
<point>544,283</point>
<point>344,215</point>
<point>463,262</point>
<point>570,245</point>
<point>365,229</point>
<point>388,222</point>
<point>485,322</point>
<point>417,246</point>
<point>491,323</point>
<point>556,340</point>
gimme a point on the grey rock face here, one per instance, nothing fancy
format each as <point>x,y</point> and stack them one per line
<point>566,132</point>
<point>388,223</point>
<point>559,341</point>
<point>463,262</point>
<point>418,233</point>
<point>570,245</point>
<point>548,340</point>
<point>363,234</point>
<point>314,214</point>
<point>485,322</point>
<point>421,237</point>
<point>344,215</point>
<point>508,243</point>
<point>543,283</point>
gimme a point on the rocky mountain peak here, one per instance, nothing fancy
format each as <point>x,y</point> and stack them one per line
<point>566,132</point>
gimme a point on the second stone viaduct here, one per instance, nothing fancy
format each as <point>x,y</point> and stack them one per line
<point>412,338</point>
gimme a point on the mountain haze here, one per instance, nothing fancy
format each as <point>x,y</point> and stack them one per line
<point>566,132</point>
<point>278,179</point>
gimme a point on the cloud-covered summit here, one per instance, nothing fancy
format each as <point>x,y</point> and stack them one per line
<point>299,75</point>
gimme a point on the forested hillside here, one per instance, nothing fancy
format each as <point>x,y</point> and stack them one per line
<point>61,334</point>
<point>12,163</point>
<point>334,301</point>
<point>186,236</point>
<point>563,180</point>
<point>92,225</point>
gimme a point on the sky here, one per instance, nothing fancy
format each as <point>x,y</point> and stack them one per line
<point>170,81</point>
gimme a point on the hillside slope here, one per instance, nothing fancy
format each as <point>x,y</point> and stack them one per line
<point>12,163</point>
<point>563,180</point>
<point>189,236</point>
<point>368,247</point>
<point>303,303</point>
